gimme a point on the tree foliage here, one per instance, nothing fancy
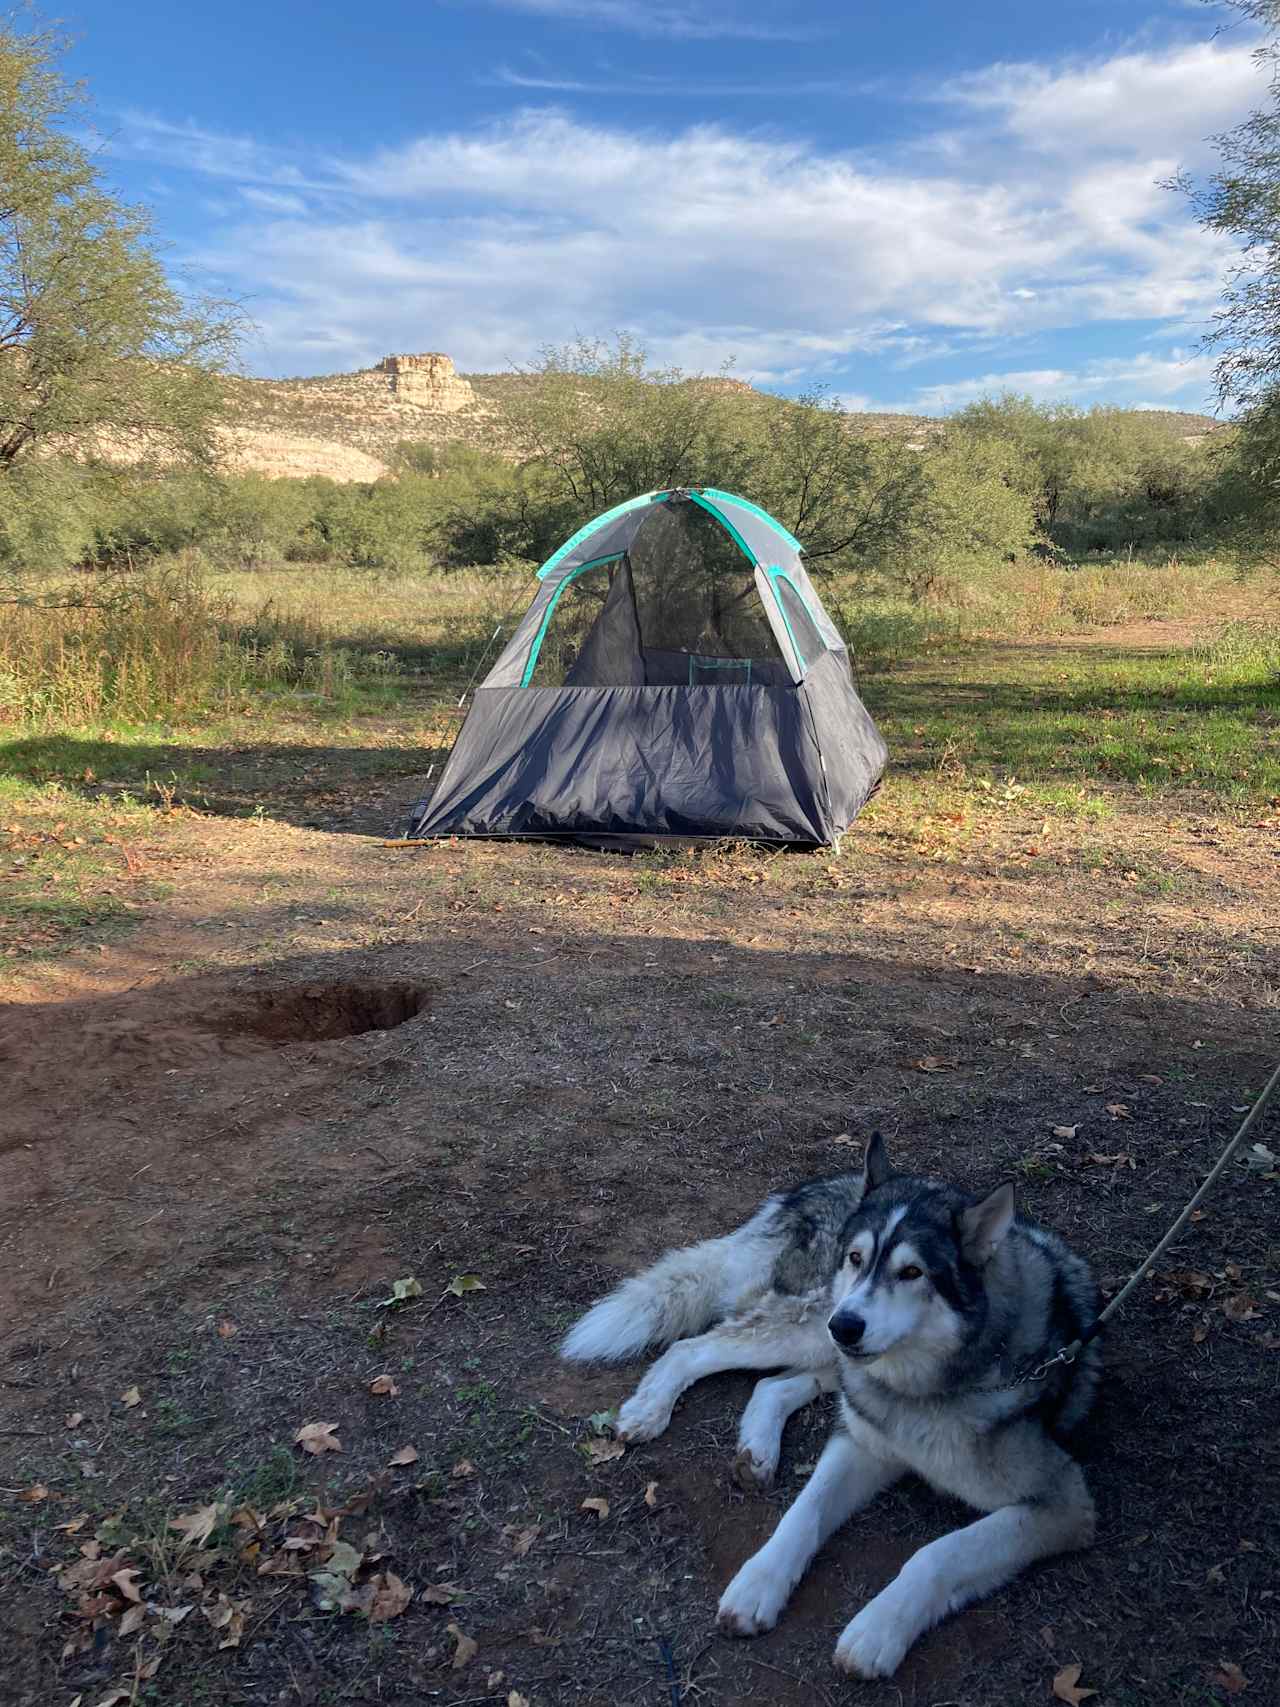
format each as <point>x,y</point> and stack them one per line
<point>98,351</point>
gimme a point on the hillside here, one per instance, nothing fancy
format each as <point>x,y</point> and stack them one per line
<point>345,425</point>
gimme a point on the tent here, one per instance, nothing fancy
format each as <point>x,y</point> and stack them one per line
<point>674,677</point>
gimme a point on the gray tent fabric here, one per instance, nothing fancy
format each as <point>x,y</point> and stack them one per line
<point>675,676</point>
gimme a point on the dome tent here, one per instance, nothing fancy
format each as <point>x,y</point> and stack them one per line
<point>675,676</point>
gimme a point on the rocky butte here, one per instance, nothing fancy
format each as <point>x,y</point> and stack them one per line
<point>427,381</point>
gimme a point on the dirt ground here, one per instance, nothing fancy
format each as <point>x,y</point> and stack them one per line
<point>324,1064</point>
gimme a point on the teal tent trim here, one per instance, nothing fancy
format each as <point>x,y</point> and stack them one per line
<point>746,504</point>
<point>595,563</point>
<point>594,526</point>
<point>727,525</point>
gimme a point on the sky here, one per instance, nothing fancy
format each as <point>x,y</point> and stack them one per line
<point>911,204</point>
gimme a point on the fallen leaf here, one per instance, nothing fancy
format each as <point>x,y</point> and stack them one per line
<point>132,1620</point>
<point>226,1329</point>
<point>126,1582</point>
<point>515,1699</point>
<point>401,1292</point>
<point>1230,1678</point>
<point>1066,1131</point>
<point>464,1467</point>
<point>75,1419</point>
<point>462,1283</point>
<point>115,1698</point>
<point>1119,1160</point>
<point>520,1540</point>
<point>34,1494</point>
<point>465,1647</point>
<point>384,1386</point>
<point>604,1451</point>
<point>1240,1307</point>
<point>1151,1078</point>
<point>599,1506</point>
<point>846,1138</point>
<point>440,1594</point>
<point>1117,1111</point>
<point>130,1397</point>
<point>1065,1686</point>
<point>74,1525</point>
<point>406,1455</point>
<point>390,1597</point>
<point>651,1495</point>
<point>195,1527</point>
<point>936,1063</point>
<point>316,1438</point>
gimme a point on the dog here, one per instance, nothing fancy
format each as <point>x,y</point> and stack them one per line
<point>925,1308</point>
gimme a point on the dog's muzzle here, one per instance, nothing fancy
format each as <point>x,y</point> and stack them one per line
<point>847,1329</point>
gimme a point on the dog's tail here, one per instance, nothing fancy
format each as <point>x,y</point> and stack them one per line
<point>683,1293</point>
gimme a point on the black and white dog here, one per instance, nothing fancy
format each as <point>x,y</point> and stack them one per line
<point>922,1306</point>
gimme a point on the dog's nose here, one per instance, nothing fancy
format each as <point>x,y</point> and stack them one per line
<point>847,1329</point>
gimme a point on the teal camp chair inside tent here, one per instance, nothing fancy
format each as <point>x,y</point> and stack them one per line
<point>675,676</point>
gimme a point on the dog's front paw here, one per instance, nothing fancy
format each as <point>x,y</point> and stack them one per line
<point>872,1644</point>
<point>753,1474</point>
<point>753,1601</point>
<point>642,1418</point>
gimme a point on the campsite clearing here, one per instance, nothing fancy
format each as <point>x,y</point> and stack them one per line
<point>260,1066</point>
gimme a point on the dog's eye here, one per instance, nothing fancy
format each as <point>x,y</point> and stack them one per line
<point>855,1259</point>
<point>910,1272</point>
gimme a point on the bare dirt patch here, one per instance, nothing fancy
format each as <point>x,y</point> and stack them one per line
<point>211,1180</point>
<point>318,1012</point>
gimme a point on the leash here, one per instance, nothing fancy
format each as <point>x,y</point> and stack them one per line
<point>1069,1353</point>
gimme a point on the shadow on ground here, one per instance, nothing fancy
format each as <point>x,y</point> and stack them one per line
<point>555,1109</point>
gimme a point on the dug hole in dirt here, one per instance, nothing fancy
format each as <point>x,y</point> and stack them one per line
<point>364,1174</point>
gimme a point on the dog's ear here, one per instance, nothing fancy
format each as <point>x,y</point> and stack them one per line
<point>984,1224</point>
<point>875,1167</point>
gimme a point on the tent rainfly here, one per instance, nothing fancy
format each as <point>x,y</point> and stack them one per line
<point>674,677</point>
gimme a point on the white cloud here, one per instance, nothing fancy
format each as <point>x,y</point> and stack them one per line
<point>273,201</point>
<point>1180,378</point>
<point>1145,105</point>
<point>713,243</point>
<point>681,20</point>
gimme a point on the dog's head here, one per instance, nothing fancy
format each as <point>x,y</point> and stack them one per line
<point>910,1279</point>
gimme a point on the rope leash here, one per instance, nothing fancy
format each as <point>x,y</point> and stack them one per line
<point>1069,1353</point>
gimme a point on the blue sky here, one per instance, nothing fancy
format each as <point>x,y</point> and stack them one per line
<point>911,203</point>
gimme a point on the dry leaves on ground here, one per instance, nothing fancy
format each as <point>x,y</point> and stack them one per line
<point>195,1527</point>
<point>406,1455</point>
<point>599,1506</point>
<point>465,1647</point>
<point>1066,1686</point>
<point>316,1438</point>
<point>1230,1678</point>
<point>604,1451</point>
<point>384,1387</point>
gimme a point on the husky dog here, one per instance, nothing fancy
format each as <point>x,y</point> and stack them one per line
<point>923,1307</point>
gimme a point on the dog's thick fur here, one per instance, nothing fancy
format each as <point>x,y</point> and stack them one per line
<point>920,1305</point>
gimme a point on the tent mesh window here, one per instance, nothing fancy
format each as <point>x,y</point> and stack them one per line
<point>700,617</point>
<point>577,610</point>
<point>809,643</point>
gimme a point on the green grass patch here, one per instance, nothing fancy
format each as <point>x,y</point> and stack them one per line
<point>1065,723</point>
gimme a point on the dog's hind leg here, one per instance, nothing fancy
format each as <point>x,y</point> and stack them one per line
<point>648,1411</point>
<point>775,1399</point>
<point>847,1478</point>
<point>959,1568</point>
